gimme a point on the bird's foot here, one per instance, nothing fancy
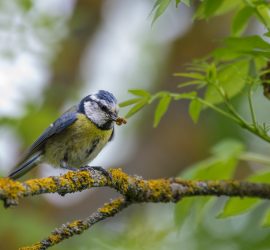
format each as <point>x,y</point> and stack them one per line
<point>98,168</point>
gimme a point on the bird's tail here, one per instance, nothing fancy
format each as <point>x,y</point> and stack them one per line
<point>25,166</point>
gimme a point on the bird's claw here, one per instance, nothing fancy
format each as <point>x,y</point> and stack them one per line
<point>106,173</point>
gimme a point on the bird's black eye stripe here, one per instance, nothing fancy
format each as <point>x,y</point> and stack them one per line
<point>103,107</point>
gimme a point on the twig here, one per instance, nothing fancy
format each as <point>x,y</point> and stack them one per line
<point>79,226</point>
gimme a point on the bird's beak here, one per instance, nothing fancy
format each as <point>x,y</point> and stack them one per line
<point>114,117</point>
<point>118,120</point>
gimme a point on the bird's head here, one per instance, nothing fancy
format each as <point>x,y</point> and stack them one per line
<point>101,108</point>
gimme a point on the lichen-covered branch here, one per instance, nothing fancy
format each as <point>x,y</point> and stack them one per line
<point>79,226</point>
<point>134,189</point>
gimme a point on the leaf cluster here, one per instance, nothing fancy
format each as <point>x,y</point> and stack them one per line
<point>238,67</point>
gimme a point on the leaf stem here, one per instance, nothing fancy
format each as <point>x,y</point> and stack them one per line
<point>251,107</point>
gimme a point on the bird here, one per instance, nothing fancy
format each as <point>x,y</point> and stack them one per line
<point>76,137</point>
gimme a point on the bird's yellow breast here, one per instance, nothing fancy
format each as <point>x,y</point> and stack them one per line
<point>78,144</point>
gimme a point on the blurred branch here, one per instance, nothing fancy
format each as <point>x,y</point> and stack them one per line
<point>133,188</point>
<point>79,226</point>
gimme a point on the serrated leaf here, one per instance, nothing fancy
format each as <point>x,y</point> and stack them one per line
<point>190,83</point>
<point>159,8</point>
<point>266,219</point>
<point>136,108</point>
<point>240,21</point>
<point>231,78</point>
<point>193,75</point>
<point>242,46</point>
<point>195,108</point>
<point>161,108</point>
<point>129,102</point>
<point>139,92</point>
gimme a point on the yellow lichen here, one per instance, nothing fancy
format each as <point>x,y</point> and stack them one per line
<point>120,178</point>
<point>159,189</point>
<point>111,207</point>
<point>54,238</point>
<point>34,247</point>
<point>35,185</point>
<point>75,224</point>
<point>11,188</point>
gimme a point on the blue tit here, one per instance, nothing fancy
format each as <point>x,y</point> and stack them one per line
<point>76,138</point>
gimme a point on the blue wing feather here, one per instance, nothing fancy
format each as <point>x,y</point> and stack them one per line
<point>58,126</point>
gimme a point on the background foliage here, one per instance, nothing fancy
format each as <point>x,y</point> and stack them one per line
<point>220,67</point>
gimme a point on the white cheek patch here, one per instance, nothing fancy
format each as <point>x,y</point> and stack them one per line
<point>94,113</point>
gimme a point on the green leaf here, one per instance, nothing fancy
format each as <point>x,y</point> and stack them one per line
<point>263,177</point>
<point>188,95</point>
<point>212,168</point>
<point>136,108</point>
<point>237,206</point>
<point>161,108</point>
<point>139,92</point>
<point>210,8</point>
<point>228,148</point>
<point>26,5</point>
<point>186,2</point>
<point>159,8</point>
<point>195,108</point>
<point>182,209</point>
<point>207,9</point>
<point>252,71</point>
<point>264,14</point>
<point>231,78</point>
<point>266,219</point>
<point>129,102</point>
<point>193,75</point>
<point>240,21</point>
<point>220,165</point>
<point>242,46</point>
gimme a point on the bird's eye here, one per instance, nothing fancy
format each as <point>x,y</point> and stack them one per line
<point>104,108</point>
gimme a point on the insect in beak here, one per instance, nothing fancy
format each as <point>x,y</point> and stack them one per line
<point>119,120</point>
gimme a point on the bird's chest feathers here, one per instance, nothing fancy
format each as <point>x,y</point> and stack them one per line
<point>79,143</point>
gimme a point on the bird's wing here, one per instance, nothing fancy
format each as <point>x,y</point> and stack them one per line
<point>64,121</point>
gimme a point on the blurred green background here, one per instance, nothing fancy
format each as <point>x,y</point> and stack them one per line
<point>53,53</point>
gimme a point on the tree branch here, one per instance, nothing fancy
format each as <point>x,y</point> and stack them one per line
<point>133,188</point>
<point>79,226</point>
